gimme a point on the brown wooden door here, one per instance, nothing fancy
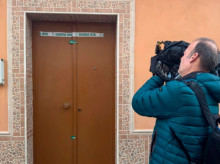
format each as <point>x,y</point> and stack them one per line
<point>81,76</point>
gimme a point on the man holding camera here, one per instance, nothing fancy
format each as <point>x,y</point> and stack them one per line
<point>176,108</point>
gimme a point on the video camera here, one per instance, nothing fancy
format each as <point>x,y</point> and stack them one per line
<point>167,60</point>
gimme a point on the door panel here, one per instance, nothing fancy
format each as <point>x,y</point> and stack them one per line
<point>83,76</point>
<point>53,125</point>
<point>95,86</point>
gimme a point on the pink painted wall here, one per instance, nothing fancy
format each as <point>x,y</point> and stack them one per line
<point>169,20</point>
<point>3,54</point>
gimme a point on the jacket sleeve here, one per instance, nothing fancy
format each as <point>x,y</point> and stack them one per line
<point>154,99</point>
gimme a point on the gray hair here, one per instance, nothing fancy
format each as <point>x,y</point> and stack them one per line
<point>208,52</point>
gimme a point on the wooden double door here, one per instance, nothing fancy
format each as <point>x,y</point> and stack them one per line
<point>74,93</point>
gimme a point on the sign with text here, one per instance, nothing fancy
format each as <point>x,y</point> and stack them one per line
<point>71,34</point>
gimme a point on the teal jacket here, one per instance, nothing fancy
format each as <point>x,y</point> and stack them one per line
<point>176,107</point>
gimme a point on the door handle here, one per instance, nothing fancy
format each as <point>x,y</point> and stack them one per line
<point>66,105</point>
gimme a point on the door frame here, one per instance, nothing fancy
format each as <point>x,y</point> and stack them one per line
<point>28,50</point>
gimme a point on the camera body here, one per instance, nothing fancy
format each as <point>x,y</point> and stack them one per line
<point>216,71</point>
<point>167,60</point>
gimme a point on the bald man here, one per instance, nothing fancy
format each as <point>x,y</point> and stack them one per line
<point>176,109</point>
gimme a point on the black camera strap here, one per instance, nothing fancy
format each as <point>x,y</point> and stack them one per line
<point>204,106</point>
<point>202,101</point>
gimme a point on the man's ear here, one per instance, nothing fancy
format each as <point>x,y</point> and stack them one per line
<point>194,57</point>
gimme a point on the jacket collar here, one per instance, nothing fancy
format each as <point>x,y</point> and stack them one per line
<point>191,75</point>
